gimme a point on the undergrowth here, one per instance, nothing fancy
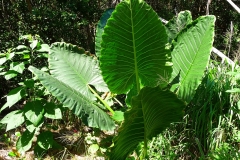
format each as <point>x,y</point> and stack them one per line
<point>210,127</point>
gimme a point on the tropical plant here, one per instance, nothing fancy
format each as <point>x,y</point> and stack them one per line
<point>136,60</point>
<point>74,75</point>
<point>136,50</point>
<point>177,24</point>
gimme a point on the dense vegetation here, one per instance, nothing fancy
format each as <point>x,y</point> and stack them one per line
<point>83,78</point>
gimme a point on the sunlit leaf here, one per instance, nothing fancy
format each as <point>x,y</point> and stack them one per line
<point>13,119</point>
<point>24,143</point>
<point>80,104</point>
<point>14,96</point>
<point>34,111</point>
<point>191,55</point>
<point>133,48</point>
<point>45,140</point>
<point>152,111</point>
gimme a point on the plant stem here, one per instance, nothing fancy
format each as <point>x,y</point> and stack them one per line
<point>33,89</point>
<point>118,102</point>
<point>104,102</point>
<point>145,147</point>
<point>64,153</point>
<point>200,148</point>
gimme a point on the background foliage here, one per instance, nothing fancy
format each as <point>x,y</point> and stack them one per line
<point>210,128</point>
<point>75,21</point>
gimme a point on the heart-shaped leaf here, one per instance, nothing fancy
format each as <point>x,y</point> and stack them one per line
<point>152,111</point>
<point>79,103</point>
<point>133,48</point>
<point>24,143</point>
<point>34,111</point>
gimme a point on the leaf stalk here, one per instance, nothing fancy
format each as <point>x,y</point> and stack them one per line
<point>103,101</point>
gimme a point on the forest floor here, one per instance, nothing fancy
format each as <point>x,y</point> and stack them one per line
<point>73,146</point>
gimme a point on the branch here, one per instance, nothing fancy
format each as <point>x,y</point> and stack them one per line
<point>220,54</point>
<point>234,6</point>
<point>207,10</point>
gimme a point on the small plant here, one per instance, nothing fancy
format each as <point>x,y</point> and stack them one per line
<point>29,93</point>
<point>92,142</point>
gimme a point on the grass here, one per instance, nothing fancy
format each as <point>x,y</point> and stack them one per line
<point>210,127</point>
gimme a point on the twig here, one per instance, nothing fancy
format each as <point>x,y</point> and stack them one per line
<point>64,153</point>
<point>207,10</point>
<point>220,54</point>
<point>230,37</point>
<point>234,6</point>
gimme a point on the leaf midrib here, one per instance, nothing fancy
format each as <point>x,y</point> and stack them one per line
<point>187,73</point>
<point>70,65</point>
<point>134,50</point>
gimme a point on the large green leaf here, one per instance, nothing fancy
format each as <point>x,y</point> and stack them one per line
<point>133,48</point>
<point>24,143</point>
<point>34,111</point>
<point>177,24</point>
<point>52,111</point>
<point>69,64</point>
<point>14,96</point>
<point>45,140</point>
<point>100,29</point>
<point>152,111</point>
<point>80,104</point>
<point>191,54</point>
<point>13,119</point>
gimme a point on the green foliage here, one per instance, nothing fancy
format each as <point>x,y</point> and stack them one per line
<point>135,58</point>
<point>210,124</point>
<point>210,114</point>
<point>225,151</point>
<point>127,57</point>
<point>64,62</point>
<point>125,47</point>
<point>45,140</point>
<point>52,111</point>
<point>14,96</point>
<point>152,111</point>
<point>13,119</point>
<point>34,112</point>
<point>191,54</point>
<point>100,29</point>
<point>34,109</point>
<point>160,147</point>
<point>93,148</point>
<point>70,21</point>
<point>73,74</point>
<point>24,143</point>
<point>177,24</point>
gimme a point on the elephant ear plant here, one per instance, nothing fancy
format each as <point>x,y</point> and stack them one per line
<point>73,76</point>
<point>135,59</point>
<point>177,24</point>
